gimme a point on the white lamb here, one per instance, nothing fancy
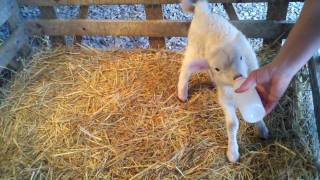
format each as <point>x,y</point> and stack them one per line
<point>218,47</point>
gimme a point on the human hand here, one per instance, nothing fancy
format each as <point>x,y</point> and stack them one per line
<point>271,83</point>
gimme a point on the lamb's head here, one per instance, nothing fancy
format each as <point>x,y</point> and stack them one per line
<point>230,60</point>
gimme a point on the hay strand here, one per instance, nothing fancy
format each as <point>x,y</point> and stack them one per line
<point>75,114</point>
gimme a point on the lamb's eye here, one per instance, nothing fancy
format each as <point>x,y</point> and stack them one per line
<point>217,69</point>
<point>241,58</point>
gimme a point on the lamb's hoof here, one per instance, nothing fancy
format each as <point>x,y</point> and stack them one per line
<point>213,85</point>
<point>233,156</point>
<point>182,98</point>
<point>264,134</point>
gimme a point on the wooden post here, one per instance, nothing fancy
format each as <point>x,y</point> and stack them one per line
<point>314,72</point>
<point>83,14</point>
<point>277,10</point>
<point>5,10</point>
<point>15,19</point>
<point>15,22</point>
<point>155,12</point>
<point>48,13</point>
<point>12,48</point>
<point>230,11</point>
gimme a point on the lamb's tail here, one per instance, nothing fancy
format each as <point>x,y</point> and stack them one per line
<point>190,5</point>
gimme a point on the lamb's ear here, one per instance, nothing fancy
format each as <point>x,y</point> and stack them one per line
<point>198,65</point>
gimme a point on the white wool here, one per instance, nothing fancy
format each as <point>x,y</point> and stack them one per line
<point>216,46</point>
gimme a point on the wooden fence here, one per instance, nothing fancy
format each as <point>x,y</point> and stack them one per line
<point>155,26</point>
<point>9,13</point>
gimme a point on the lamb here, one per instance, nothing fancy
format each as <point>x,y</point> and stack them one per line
<point>218,47</point>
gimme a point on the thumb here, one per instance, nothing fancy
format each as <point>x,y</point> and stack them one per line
<point>248,83</point>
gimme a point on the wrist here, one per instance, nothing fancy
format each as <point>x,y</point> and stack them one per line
<point>283,68</point>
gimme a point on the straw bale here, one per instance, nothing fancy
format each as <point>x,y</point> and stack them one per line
<point>75,114</point>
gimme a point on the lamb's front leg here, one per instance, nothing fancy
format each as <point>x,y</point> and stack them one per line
<point>232,125</point>
<point>183,84</point>
<point>189,66</point>
<point>211,76</point>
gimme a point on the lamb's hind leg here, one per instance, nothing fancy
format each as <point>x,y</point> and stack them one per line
<point>263,130</point>
<point>189,66</point>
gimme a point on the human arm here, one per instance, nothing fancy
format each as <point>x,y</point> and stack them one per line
<point>273,79</point>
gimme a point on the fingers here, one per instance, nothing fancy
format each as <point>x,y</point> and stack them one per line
<point>248,83</point>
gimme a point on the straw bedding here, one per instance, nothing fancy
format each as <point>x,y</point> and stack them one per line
<point>89,114</point>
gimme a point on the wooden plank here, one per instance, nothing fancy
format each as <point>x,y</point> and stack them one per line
<point>83,14</point>
<point>314,72</point>
<point>12,46</point>
<point>230,11</point>
<point>47,12</point>
<point>153,28</point>
<point>5,10</point>
<point>154,12</point>
<point>15,21</point>
<point>277,10</point>
<point>109,2</point>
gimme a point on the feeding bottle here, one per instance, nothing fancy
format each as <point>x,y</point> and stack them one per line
<point>249,103</point>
